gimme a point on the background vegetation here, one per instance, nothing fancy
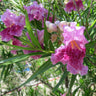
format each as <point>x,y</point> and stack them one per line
<point>49,80</point>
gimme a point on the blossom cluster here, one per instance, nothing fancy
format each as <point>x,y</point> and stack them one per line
<point>71,52</point>
<point>15,25</point>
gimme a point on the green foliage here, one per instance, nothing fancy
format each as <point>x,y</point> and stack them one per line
<point>12,67</point>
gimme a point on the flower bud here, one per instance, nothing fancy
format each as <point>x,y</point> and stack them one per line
<point>47,23</point>
<point>57,23</point>
<point>53,37</point>
<point>62,24</point>
<point>51,27</point>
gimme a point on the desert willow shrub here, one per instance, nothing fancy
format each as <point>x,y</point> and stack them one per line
<point>39,35</point>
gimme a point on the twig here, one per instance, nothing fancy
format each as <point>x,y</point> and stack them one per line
<point>47,84</point>
<point>17,88</point>
<point>66,82</point>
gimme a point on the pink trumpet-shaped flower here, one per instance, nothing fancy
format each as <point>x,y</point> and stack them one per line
<point>36,11</point>
<point>70,5</point>
<point>74,50</point>
<point>15,25</point>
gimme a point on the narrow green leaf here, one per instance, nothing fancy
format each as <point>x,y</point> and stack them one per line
<point>16,47</point>
<point>7,71</point>
<point>73,78</point>
<point>46,55</point>
<point>27,42</point>
<point>61,80</point>
<point>3,69</point>
<point>61,65</point>
<point>91,44</point>
<point>18,58</point>
<point>51,47</point>
<point>92,25</point>
<point>75,91</point>
<point>42,69</point>
<point>30,31</point>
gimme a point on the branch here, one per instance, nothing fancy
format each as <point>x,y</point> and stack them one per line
<point>47,84</point>
<point>17,88</point>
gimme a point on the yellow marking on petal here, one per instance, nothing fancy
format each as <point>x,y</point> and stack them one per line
<point>11,25</point>
<point>76,45</point>
<point>72,45</point>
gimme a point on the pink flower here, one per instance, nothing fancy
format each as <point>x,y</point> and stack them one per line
<point>74,50</point>
<point>40,36</point>
<point>15,25</point>
<point>18,43</point>
<point>41,39</point>
<point>10,19</point>
<point>36,11</point>
<point>70,5</point>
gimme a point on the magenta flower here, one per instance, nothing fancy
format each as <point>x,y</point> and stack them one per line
<point>36,11</point>
<point>15,25</point>
<point>74,50</point>
<point>41,39</point>
<point>70,5</point>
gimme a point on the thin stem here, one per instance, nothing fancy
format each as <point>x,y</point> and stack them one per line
<point>17,88</point>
